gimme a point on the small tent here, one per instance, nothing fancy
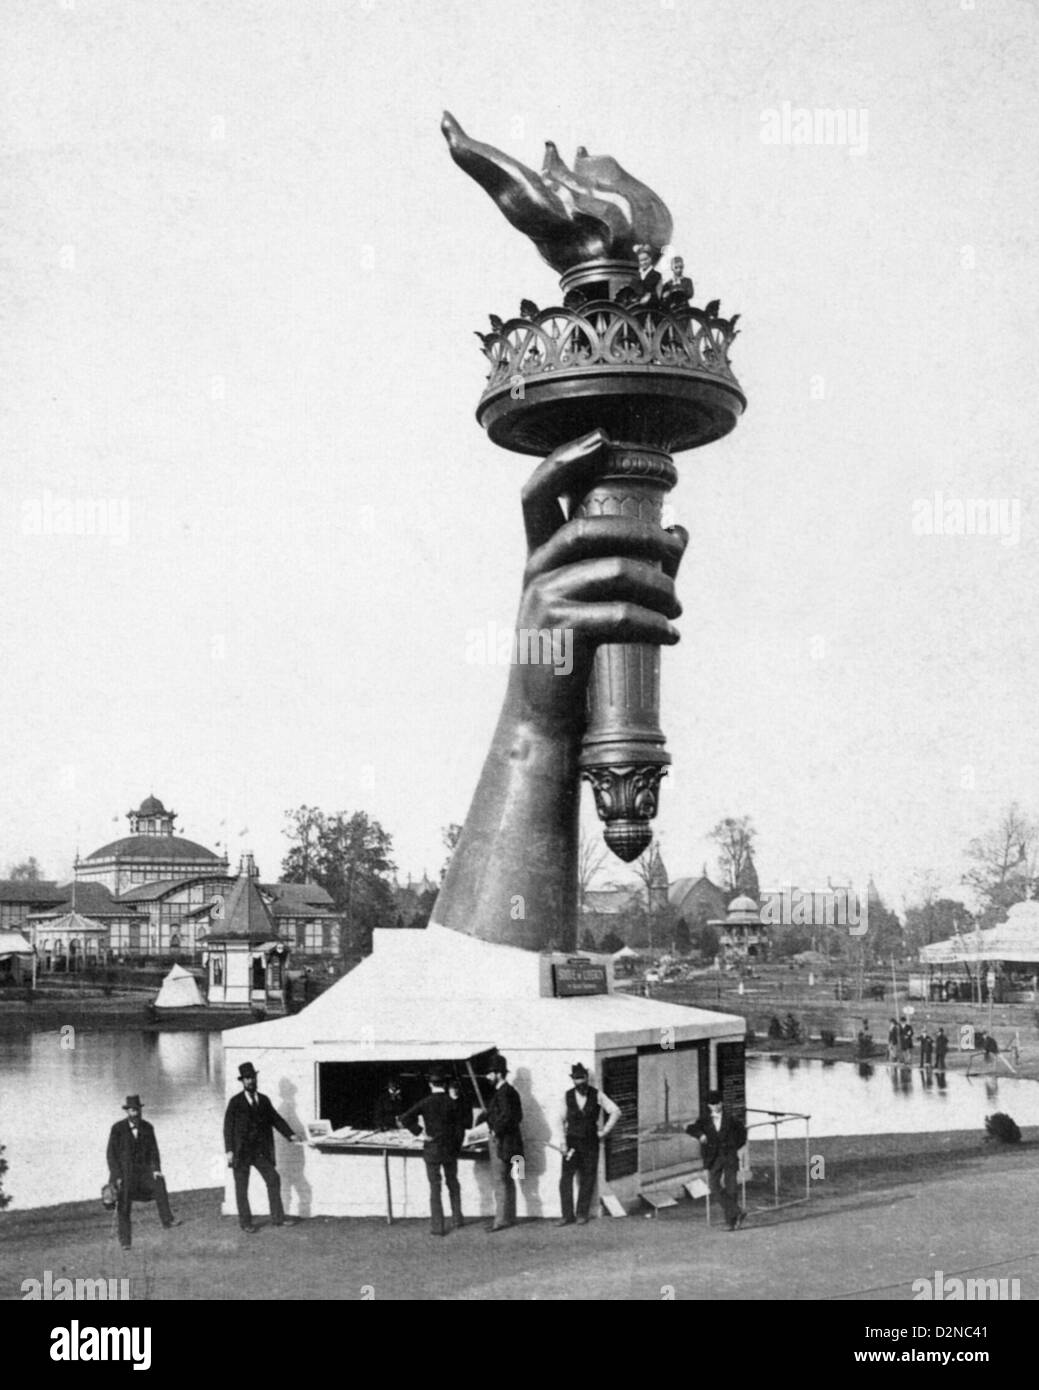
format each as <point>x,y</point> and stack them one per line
<point>179,990</point>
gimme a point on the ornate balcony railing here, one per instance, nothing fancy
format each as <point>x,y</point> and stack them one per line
<point>602,335</point>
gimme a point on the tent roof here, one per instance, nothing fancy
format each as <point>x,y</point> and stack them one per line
<point>1016,939</point>
<point>438,993</point>
<point>13,943</point>
<point>74,922</point>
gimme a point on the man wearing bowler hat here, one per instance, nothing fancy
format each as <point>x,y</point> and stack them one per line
<point>588,1117</point>
<point>444,1128</point>
<point>249,1125</point>
<point>135,1170</point>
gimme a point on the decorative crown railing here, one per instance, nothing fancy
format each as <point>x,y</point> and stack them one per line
<point>601,335</point>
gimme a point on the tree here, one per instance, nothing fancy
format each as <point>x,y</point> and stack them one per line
<point>1002,864</point>
<point>735,839</point>
<point>611,943</point>
<point>450,835</point>
<point>591,855</point>
<point>936,920</point>
<point>884,938</point>
<point>305,827</point>
<point>349,856</point>
<point>588,942</point>
<point>683,938</point>
<point>649,868</point>
<point>28,871</point>
<point>705,939</point>
<point>5,1200</point>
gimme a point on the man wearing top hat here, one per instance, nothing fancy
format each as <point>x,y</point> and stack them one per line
<point>249,1124</point>
<point>588,1117</point>
<point>135,1170</point>
<point>504,1114</point>
<point>721,1137</point>
<point>441,1118</point>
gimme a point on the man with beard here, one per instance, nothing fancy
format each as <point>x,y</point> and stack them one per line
<point>588,1117</point>
<point>135,1170</point>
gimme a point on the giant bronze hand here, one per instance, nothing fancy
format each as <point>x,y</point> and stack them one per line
<point>645,382</point>
<point>595,211</point>
<point>593,582</point>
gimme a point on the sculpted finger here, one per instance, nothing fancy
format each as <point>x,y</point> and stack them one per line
<point>680,539</point>
<point>561,473</point>
<point>618,622</point>
<point>588,537</point>
<point>594,581</point>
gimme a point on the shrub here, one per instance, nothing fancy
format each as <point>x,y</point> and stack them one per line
<point>775,1028</point>
<point>4,1199</point>
<point>828,1037</point>
<point>792,1028</point>
<point>1000,1126</point>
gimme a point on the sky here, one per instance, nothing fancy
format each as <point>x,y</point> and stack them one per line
<point>240,277</point>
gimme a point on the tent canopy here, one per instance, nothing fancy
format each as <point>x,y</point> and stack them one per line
<point>13,943</point>
<point>179,990</point>
<point>1016,939</point>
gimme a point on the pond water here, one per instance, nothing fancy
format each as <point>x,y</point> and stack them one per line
<point>57,1104</point>
<point>883,1098</point>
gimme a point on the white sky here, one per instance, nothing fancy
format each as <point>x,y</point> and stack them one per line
<point>240,275</point>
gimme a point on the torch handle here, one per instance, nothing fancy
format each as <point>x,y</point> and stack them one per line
<point>623,754</point>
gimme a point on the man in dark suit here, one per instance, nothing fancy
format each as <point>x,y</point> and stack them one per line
<point>504,1114</point>
<point>135,1170</point>
<point>588,1117</point>
<point>649,279</point>
<point>678,291</point>
<point>721,1137</point>
<point>388,1106</point>
<point>249,1124</point>
<point>440,1117</point>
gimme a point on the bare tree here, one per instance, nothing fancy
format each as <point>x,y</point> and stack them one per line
<point>735,840</point>
<point>591,855</point>
<point>1003,862</point>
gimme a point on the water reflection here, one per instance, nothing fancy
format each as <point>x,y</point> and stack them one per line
<point>58,1102</point>
<point>860,1098</point>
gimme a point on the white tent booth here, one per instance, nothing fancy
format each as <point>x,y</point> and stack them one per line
<point>179,990</point>
<point>438,996</point>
